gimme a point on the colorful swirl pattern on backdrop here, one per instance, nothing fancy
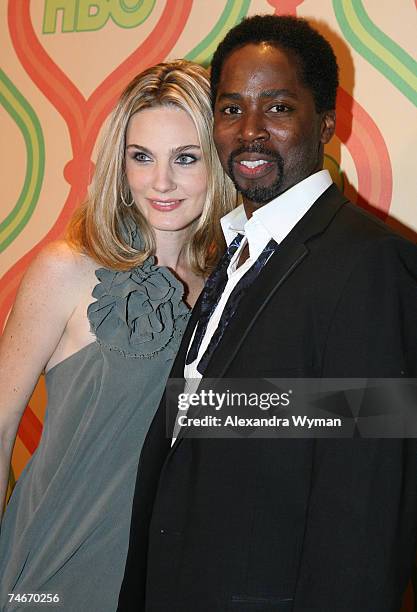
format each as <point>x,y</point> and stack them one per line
<point>376,47</point>
<point>22,113</point>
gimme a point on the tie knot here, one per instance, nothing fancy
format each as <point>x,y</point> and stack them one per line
<point>233,246</point>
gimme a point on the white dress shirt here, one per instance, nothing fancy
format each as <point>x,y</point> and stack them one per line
<point>273,220</point>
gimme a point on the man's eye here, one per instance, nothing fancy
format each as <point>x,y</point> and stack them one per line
<point>279,108</point>
<point>231,110</point>
<point>185,160</point>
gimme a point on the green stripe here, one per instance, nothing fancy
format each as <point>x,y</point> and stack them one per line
<point>24,116</point>
<point>383,39</point>
<point>377,35</point>
<point>203,52</point>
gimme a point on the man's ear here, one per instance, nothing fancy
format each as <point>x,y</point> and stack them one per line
<point>328,126</point>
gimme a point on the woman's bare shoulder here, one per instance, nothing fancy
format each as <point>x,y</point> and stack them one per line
<point>58,274</point>
<point>60,257</point>
<point>59,263</point>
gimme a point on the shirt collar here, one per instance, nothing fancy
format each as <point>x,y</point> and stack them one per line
<point>233,223</point>
<point>277,218</point>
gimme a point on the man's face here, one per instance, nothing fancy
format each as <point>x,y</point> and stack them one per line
<point>266,129</point>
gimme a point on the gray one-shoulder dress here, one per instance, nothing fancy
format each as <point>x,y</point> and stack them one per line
<point>66,528</point>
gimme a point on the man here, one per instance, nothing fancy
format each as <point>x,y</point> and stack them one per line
<point>315,288</point>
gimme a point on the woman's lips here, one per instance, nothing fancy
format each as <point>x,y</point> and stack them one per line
<point>253,168</point>
<point>165,206</point>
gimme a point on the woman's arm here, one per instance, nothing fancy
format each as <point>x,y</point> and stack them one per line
<point>45,301</point>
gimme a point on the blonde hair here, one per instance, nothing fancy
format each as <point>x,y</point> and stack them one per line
<point>97,228</point>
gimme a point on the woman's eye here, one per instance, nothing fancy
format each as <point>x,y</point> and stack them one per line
<point>231,110</point>
<point>141,157</point>
<point>186,160</point>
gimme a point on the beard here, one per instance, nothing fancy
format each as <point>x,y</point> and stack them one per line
<point>258,194</point>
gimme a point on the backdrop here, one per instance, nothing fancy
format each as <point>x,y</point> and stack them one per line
<point>66,61</point>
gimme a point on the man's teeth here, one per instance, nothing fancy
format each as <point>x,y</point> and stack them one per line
<point>254,164</point>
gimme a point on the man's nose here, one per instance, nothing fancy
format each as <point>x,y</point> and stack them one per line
<point>252,127</point>
<point>163,178</point>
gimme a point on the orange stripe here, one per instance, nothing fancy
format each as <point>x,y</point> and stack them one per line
<point>50,79</point>
<point>30,430</point>
<point>285,7</point>
<point>361,136</point>
<point>154,49</point>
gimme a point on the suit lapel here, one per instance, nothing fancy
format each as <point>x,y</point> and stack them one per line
<point>281,264</point>
<point>279,267</point>
<point>289,255</point>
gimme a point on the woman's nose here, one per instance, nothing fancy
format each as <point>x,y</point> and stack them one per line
<point>163,179</point>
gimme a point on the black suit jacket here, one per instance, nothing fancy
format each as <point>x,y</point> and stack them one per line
<point>290,524</point>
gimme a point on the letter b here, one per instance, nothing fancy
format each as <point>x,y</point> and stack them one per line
<point>86,20</point>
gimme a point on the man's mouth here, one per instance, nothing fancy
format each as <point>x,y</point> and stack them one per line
<point>257,172</point>
<point>253,168</point>
<point>253,164</point>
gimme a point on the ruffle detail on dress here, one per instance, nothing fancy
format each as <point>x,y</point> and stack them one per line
<point>139,312</point>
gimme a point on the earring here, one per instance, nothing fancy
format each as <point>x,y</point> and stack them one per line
<point>124,201</point>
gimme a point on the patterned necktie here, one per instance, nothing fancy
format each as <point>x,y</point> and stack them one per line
<point>212,292</point>
<point>231,306</point>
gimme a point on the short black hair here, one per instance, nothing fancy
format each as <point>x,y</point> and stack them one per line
<point>317,61</point>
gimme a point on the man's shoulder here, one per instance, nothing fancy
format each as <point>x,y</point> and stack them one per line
<point>365,220</point>
<point>360,226</point>
<point>352,237</point>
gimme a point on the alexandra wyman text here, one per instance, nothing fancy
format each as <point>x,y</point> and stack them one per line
<point>235,421</point>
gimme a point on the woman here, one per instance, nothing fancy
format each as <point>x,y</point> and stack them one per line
<point>103,314</point>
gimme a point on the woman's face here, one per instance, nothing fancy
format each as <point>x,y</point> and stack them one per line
<point>165,168</point>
